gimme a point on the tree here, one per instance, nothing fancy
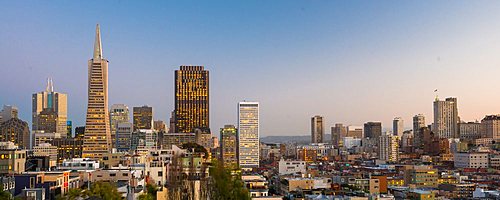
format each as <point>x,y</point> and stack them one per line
<point>103,190</point>
<point>73,194</point>
<point>4,194</point>
<point>150,194</point>
<point>226,186</point>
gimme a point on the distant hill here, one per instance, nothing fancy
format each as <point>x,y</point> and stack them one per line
<point>302,139</point>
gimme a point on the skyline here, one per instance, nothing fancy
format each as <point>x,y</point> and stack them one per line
<point>147,87</point>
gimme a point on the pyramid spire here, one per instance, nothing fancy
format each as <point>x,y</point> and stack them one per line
<point>97,44</point>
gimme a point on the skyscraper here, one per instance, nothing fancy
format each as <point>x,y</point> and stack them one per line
<point>373,130</point>
<point>97,138</point>
<point>191,99</point>
<point>398,126</point>
<point>446,118</point>
<point>123,136</point>
<point>118,113</point>
<point>248,135</point>
<point>317,131</point>
<point>418,124</point>
<point>49,104</point>
<point>229,145</point>
<point>143,117</point>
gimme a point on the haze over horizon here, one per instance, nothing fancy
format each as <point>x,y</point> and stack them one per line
<point>350,62</point>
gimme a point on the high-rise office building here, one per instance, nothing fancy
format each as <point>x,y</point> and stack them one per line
<point>123,136</point>
<point>418,123</point>
<point>446,118</point>
<point>17,131</point>
<point>398,126</point>
<point>191,100</point>
<point>52,105</point>
<point>388,147</point>
<point>355,132</point>
<point>143,117</point>
<point>338,132</point>
<point>317,131</point>
<point>69,128</point>
<point>118,113</point>
<point>229,145</point>
<point>491,125</point>
<point>248,135</point>
<point>97,138</point>
<point>373,130</point>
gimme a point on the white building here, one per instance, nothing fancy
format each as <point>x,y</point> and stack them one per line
<point>471,160</point>
<point>79,164</point>
<point>291,167</point>
<point>389,147</point>
<point>257,185</point>
<point>350,142</point>
<point>46,149</point>
<point>248,134</point>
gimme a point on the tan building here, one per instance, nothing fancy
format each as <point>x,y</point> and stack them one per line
<point>97,138</point>
<point>46,149</point>
<point>338,132</point>
<point>470,130</point>
<point>49,110</point>
<point>178,139</point>
<point>471,160</point>
<point>159,126</point>
<point>16,131</point>
<point>12,159</point>
<point>355,132</point>
<point>446,118</point>
<point>492,127</point>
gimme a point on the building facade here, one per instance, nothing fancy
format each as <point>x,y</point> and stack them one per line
<point>248,135</point>
<point>143,117</point>
<point>492,127</point>
<point>398,126</point>
<point>123,136</point>
<point>373,129</point>
<point>16,131</point>
<point>317,131</point>
<point>49,110</point>
<point>119,113</point>
<point>97,138</point>
<point>229,145</point>
<point>389,148</point>
<point>191,99</point>
<point>418,123</point>
<point>446,118</point>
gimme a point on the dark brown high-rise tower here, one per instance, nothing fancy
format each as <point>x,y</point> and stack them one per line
<point>191,99</point>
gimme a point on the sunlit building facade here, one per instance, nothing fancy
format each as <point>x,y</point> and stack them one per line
<point>97,138</point>
<point>248,135</point>
<point>49,110</point>
<point>317,131</point>
<point>119,113</point>
<point>229,145</point>
<point>446,118</point>
<point>191,99</point>
<point>143,117</point>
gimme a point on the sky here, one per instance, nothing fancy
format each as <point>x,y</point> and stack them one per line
<point>349,61</point>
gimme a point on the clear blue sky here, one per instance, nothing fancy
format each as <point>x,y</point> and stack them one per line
<point>350,61</point>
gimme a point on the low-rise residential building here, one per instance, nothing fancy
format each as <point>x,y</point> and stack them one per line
<point>79,164</point>
<point>458,191</point>
<point>257,185</point>
<point>421,176</point>
<point>12,159</point>
<point>306,185</point>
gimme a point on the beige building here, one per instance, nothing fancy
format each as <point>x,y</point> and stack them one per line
<point>12,159</point>
<point>446,118</point>
<point>248,132</point>
<point>418,123</point>
<point>46,149</point>
<point>97,138</point>
<point>398,126</point>
<point>49,110</point>
<point>470,130</point>
<point>471,160</point>
<point>492,127</point>
<point>355,132</point>
<point>16,131</point>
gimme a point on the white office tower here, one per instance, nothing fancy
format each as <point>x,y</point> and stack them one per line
<point>248,135</point>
